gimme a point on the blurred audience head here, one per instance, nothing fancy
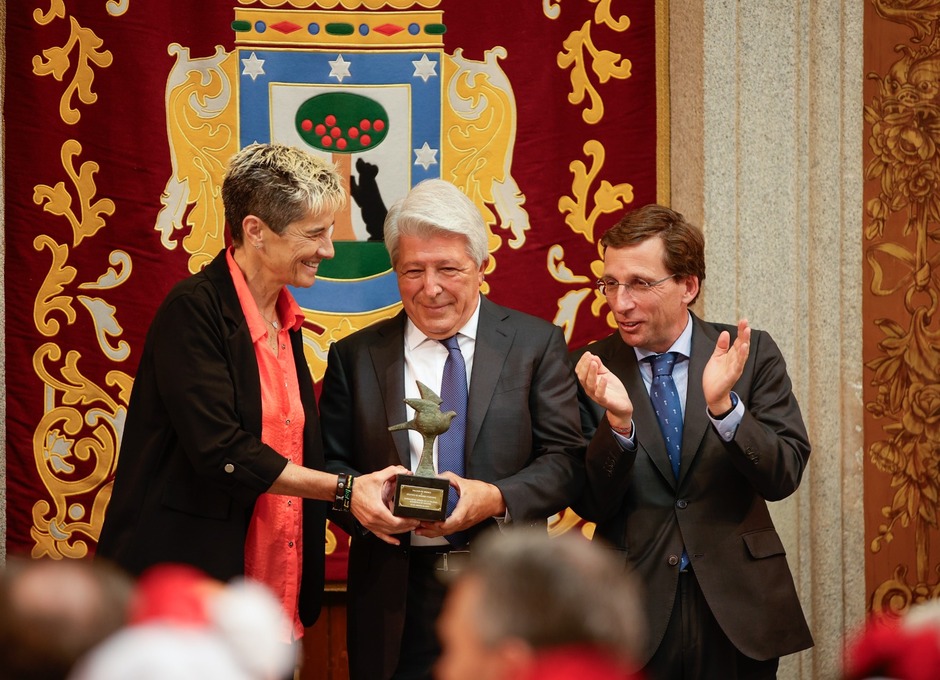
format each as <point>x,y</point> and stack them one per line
<point>528,606</point>
<point>184,625</point>
<point>54,611</point>
<point>905,648</point>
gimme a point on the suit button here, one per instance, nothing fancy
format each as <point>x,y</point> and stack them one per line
<point>229,467</point>
<point>682,503</point>
<point>673,560</point>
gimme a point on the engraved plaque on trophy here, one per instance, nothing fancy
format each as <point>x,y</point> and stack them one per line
<point>423,495</point>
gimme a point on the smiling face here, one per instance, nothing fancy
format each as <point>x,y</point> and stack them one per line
<point>293,256</point>
<point>439,283</point>
<point>650,319</point>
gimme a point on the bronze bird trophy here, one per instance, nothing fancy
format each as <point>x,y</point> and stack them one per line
<point>423,495</point>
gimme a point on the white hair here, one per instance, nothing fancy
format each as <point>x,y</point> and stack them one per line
<point>434,207</point>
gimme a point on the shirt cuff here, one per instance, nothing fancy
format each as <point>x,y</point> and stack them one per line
<point>728,426</point>
<point>626,443</point>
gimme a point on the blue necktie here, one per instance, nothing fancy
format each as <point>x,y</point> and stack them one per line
<point>665,398</point>
<point>450,445</point>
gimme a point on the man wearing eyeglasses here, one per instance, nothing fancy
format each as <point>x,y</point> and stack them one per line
<point>693,427</point>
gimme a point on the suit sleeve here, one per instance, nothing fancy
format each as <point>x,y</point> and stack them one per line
<point>554,475</point>
<point>198,369</point>
<point>607,465</point>
<point>771,447</point>
<point>337,415</point>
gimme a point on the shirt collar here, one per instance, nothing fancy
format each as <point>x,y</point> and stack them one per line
<point>414,336</point>
<point>287,308</point>
<point>682,345</point>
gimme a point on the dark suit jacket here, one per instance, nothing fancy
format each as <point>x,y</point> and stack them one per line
<point>717,509</point>
<point>523,435</point>
<point>191,459</point>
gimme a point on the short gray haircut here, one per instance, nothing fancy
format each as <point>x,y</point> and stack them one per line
<point>434,208</point>
<point>279,184</point>
<point>557,591</point>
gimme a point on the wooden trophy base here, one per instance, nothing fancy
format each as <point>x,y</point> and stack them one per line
<point>421,497</point>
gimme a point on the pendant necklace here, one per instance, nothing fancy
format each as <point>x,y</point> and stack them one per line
<point>274,324</point>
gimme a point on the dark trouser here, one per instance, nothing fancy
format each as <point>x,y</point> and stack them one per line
<point>694,646</point>
<point>419,645</point>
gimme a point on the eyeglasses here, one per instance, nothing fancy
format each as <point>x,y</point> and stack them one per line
<point>609,287</point>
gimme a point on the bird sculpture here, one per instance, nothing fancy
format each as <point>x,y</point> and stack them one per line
<point>429,422</point>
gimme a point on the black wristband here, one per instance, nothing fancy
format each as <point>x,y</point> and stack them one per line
<point>343,482</point>
<point>734,405</point>
<point>347,496</point>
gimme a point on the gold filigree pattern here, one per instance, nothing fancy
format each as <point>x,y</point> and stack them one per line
<point>602,14</point>
<point>75,449</point>
<point>58,201</point>
<point>903,121</point>
<point>75,443</point>
<point>919,15</point>
<point>49,298</point>
<point>578,51</point>
<point>479,132</point>
<point>338,326</point>
<point>201,123</point>
<point>607,198</point>
<point>56,11</point>
<point>581,216</point>
<point>86,44</point>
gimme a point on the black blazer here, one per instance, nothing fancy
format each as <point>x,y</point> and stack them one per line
<point>191,460</point>
<point>523,435</point>
<point>717,508</point>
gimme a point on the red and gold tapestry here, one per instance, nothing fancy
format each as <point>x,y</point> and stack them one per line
<point>121,114</point>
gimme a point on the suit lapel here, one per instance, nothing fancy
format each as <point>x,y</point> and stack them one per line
<point>240,347</point>
<point>649,438</point>
<point>494,339</point>
<point>388,361</point>
<point>696,422</point>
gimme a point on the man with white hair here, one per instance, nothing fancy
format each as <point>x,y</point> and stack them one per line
<point>518,457</point>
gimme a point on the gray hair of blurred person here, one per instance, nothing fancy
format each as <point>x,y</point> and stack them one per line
<point>279,184</point>
<point>550,592</point>
<point>684,242</point>
<point>435,208</point>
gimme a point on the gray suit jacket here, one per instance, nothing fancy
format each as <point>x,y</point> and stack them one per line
<point>717,508</point>
<point>523,435</point>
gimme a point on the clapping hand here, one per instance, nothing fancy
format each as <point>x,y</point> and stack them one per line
<point>725,368</point>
